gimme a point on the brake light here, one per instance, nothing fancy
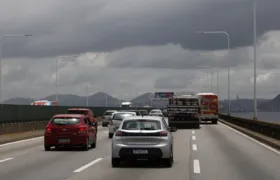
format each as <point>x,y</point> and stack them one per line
<point>48,130</point>
<point>118,133</point>
<point>82,130</point>
<point>110,122</point>
<point>163,133</point>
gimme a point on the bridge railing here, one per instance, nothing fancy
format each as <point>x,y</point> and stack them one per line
<point>268,129</point>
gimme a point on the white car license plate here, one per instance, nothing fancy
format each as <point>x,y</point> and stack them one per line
<point>63,141</point>
<point>140,151</point>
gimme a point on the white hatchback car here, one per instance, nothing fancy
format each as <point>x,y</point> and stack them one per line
<point>143,137</point>
<point>116,119</point>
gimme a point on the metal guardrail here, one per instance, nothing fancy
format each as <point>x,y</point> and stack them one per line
<point>265,128</point>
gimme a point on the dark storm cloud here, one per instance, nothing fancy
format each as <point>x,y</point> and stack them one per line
<point>69,27</point>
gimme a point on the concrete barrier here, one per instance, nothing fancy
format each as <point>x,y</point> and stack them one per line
<point>28,113</point>
<point>266,132</point>
<point>22,127</point>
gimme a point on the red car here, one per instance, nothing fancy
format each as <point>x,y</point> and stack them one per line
<point>70,130</point>
<point>84,111</point>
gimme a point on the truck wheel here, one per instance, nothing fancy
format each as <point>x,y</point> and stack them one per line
<point>197,126</point>
<point>215,121</point>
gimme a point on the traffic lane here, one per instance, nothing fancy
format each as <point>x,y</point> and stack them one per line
<point>52,165</point>
<point>225,154</point>
<point>32,145</point>
<point>181,169</point>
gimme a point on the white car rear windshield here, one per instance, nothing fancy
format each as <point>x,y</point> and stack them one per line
<point>66,121</point>
<point>120,116</point>
<point>108,113</point>
<point>141,125</point>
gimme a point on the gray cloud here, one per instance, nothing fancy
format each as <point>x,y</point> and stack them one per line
<point>97,25</point>
<point>148,45</point>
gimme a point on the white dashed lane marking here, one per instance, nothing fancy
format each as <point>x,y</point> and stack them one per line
<point>4,160</point>
<point>194,147</point>
<point>193,138</point>
<point>88,165</point>
<point>196,166</point>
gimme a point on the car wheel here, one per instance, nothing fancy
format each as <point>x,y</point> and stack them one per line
<point>86,146</point>
<point>169,161</point>
<point>215,121</point>
<point>110,135</point>
<point>93,145</point>
<point>47,147</point>
<point>116,162</point>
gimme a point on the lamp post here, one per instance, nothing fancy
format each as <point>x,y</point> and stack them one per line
<point>2,37</point>
<point>56,74</point>
<point>228,46</point>
<point>255,57</point>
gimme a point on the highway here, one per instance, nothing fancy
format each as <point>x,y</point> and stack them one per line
<point>213,152</point>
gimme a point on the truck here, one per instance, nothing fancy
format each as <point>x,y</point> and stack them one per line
<point>209,107</point>
<point>184,110</point>
<point>44,103</point>
<point>126,104</point>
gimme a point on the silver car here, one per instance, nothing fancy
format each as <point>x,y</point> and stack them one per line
<point>106,116</point>
<point>143,137</point>
<point>116,120</point>
<point>155,111</point>
<point>156,114</point>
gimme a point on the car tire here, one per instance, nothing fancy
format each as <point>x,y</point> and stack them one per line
<point>47,147</point>
<point>168,162</point>
<point>215,121</point>
<point>86,146</point>
<point>116,162</point>
<point>110,135</point>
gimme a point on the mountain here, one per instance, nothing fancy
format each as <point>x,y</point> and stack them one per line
<point>19,101</point>
<point>147,99</point>
<point>271,105</point>
<point>242,105</point>
<point>95,100</point>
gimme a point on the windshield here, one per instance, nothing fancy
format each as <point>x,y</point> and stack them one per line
<point>108,113</point>
<point>66,121</point>
<point>121,116</point>
<point>141,125</point>
<point>77,112</point>
<point>154,114</point>
<point>156,111</point>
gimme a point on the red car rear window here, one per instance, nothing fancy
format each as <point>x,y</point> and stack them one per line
<point>65,121</point>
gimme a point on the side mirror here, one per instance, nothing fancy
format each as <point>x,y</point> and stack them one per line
<point>93,124</point>
<point>172,129</point>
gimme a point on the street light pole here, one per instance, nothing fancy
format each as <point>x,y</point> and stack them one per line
<point>56,74</point>
<point>87,96</point>
<point>228,46</point>
<point>2,37</point>
<point>255,58</point>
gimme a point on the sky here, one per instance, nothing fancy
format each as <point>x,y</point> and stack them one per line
<point>128,47</point>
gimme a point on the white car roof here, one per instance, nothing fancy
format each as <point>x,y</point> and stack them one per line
<point>124,112</point>
<point>143,117</point>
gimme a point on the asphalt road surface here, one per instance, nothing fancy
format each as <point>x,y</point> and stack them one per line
<point>214,152</point>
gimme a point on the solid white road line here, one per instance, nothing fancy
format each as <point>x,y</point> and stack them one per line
<point>196,166</point>
<point>88,165</point>
<point>193,132</point>
<point>193,138</point>
<point>258,142</point>
<point>4,160</point>
<point>194,147</point>
<point>25,140</point>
